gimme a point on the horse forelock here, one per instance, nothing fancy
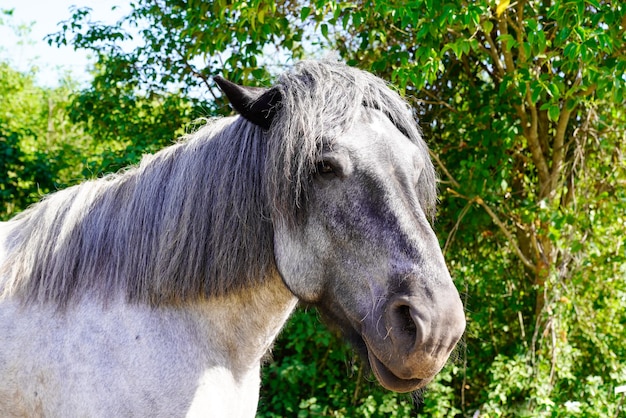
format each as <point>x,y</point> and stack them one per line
<point>195,220</point>
<point>320,101</point>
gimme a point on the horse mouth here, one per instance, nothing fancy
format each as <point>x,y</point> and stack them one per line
<point>390,380</point>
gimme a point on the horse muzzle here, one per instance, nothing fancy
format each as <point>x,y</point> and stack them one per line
<point>412,338</point>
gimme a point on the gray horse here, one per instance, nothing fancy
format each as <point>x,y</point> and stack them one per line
<point>157,291</point>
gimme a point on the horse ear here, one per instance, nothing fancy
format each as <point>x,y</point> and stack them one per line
<point>258,105</point>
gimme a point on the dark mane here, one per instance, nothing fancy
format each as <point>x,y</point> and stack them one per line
<point>195,220</point>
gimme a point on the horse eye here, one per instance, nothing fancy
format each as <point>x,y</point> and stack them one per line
<point>325,169</point>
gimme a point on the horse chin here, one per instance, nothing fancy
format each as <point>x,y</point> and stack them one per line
<point>387,379</point>
<point>390,381</point>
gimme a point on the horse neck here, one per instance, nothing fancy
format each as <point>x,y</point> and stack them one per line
<point>245,324</point>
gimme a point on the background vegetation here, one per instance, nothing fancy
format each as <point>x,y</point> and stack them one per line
<point>523,106</point>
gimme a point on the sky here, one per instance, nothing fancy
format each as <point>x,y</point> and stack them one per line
<point>44,17</point>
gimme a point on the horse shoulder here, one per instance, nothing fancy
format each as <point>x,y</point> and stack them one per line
<point>121,359</point>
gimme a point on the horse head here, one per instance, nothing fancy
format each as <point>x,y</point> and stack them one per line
<point>362,249</point>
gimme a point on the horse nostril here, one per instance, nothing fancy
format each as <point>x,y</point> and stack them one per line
<point>407,325</point>
<point>404,326</point>
<point>405,321</point>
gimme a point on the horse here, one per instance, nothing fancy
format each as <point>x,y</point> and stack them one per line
<point>158,290</point>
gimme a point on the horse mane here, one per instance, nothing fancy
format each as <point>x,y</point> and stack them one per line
<point>196,219</point>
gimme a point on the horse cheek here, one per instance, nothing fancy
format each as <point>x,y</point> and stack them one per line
<point>297,255</point>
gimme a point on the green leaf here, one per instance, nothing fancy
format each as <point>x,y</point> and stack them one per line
<point>553,89</point>
<point>553,112</point>
<point>508,41</point>
<point>535,91</point>
<point>541,41</point>
<point>571,51</point>
<point>487,26</point>
<point>304,13</point>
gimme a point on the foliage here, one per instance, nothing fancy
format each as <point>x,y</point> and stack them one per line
<point>126,124</point>
<point>523,106</point>
<point>185,43</point>
<point>320,376</point>
<point>38,145</point>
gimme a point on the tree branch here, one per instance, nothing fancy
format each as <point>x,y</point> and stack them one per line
<point>509,66</point>
<point>519,16</point>
<point>436,101</point>
<point>455,228</point>
<point>493,53</point>
<point>558,153</point>
<point>496,219</point>
<point>533,143</point>
<point>491,213</point>
<point>444,169</point>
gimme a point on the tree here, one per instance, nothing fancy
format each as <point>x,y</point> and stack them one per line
<point>523,106</point>
<point>126,124</point>
<point>39,149</point>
